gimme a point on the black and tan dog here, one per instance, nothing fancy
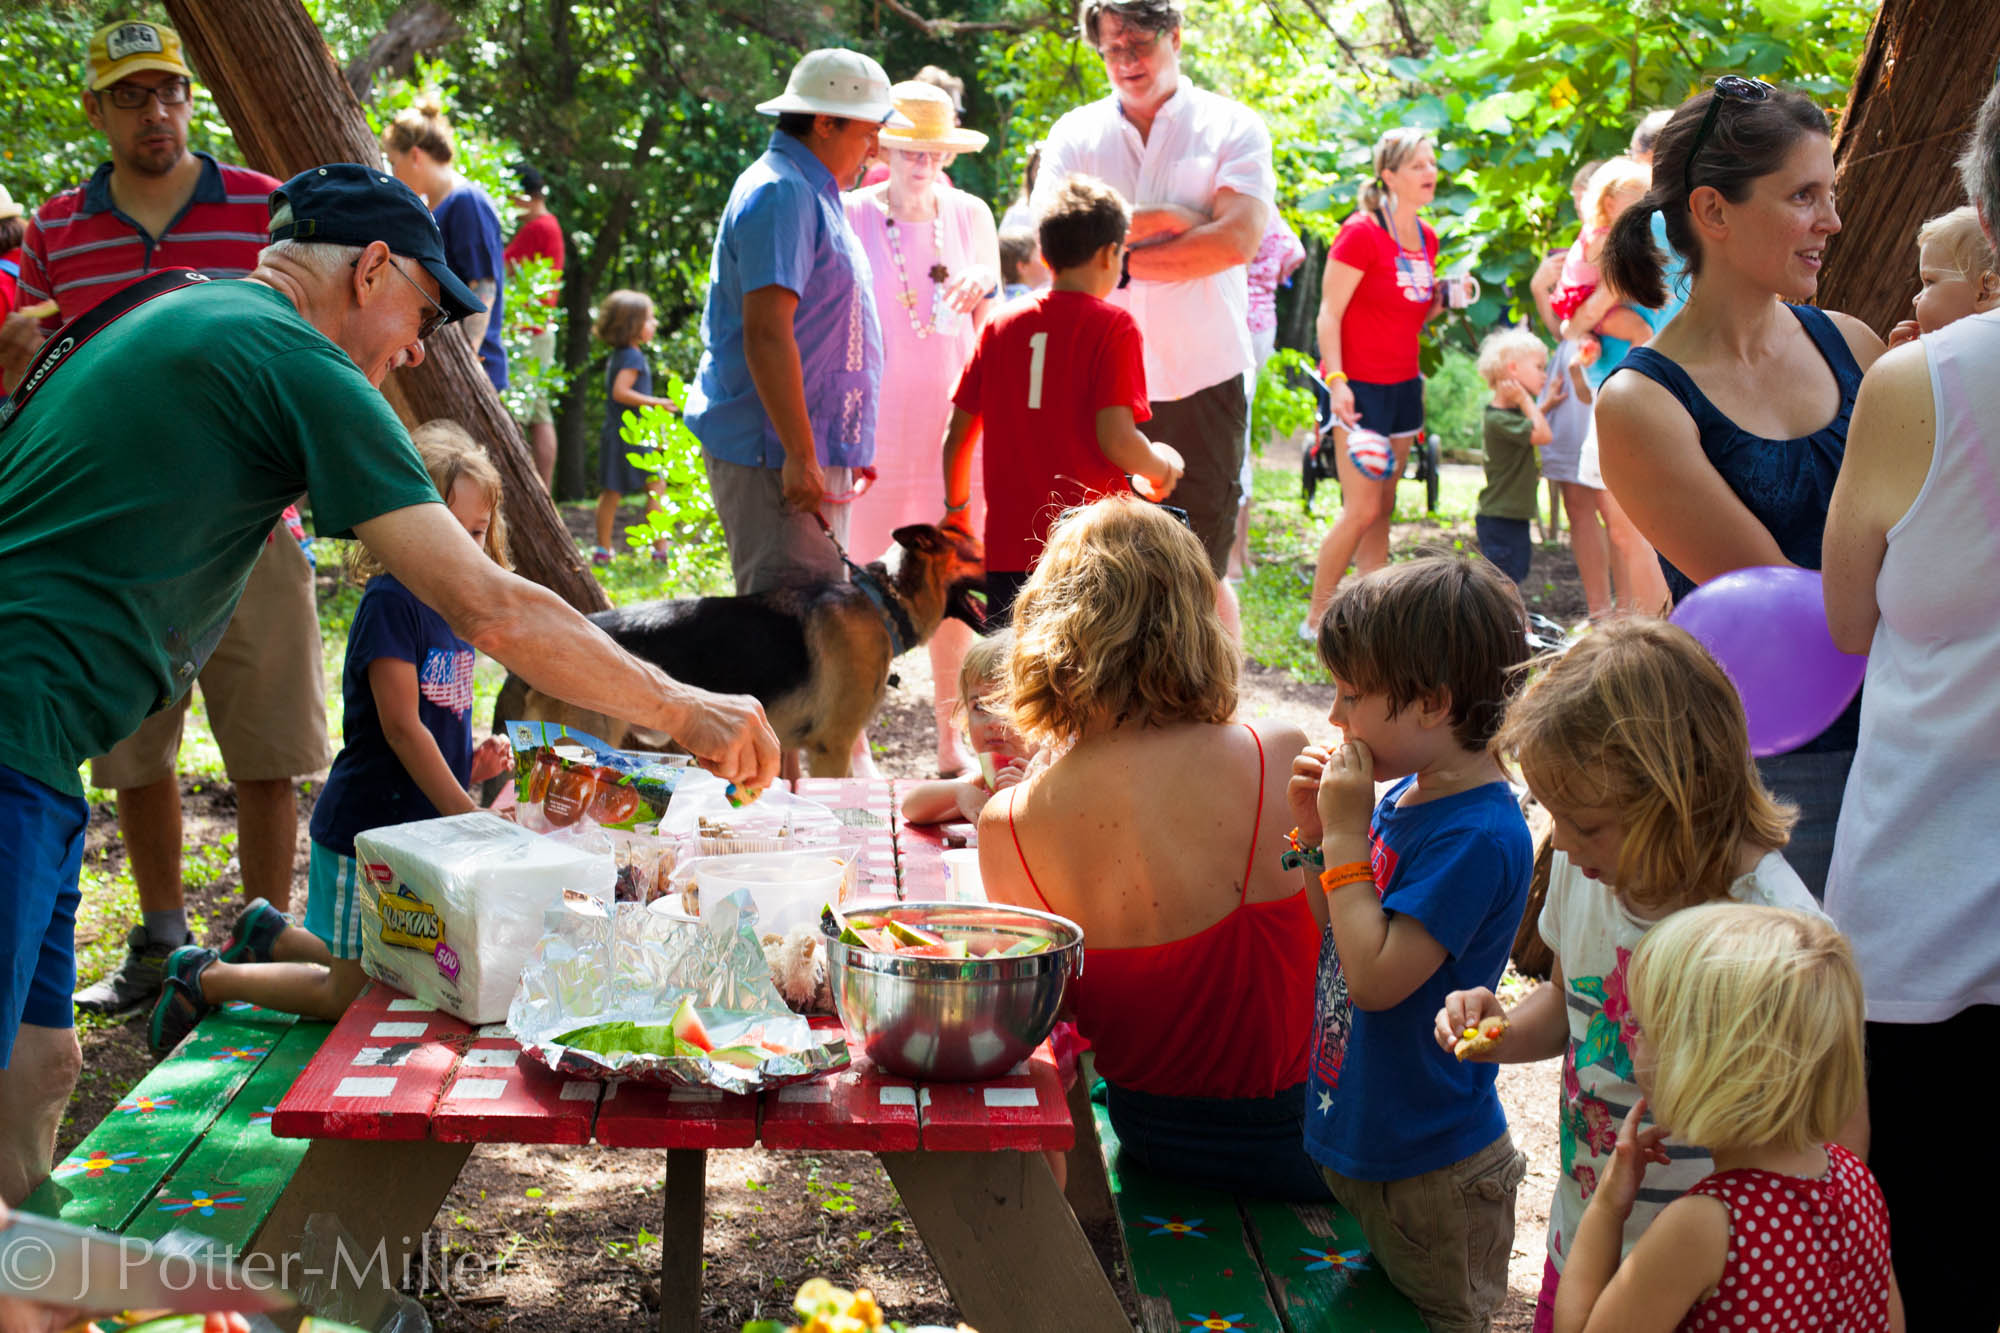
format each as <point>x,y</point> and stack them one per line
<point>817,657</point>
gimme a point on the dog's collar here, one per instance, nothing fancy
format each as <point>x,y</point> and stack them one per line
<point>902,634</point>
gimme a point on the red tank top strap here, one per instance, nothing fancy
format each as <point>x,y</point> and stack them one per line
<point>1039,895</point>
<point>1256,824</point>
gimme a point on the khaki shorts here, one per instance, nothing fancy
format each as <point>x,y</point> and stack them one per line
<point>1209,428</point>
<point>1444,1237</point>
<point>263,687</point>
<point>770,544</point>
<point>542,349</point>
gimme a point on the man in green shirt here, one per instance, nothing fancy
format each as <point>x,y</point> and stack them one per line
<point>146,463</point>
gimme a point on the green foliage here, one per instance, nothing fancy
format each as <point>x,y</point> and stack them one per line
<point>685,518</point>
<point>1515,104</point>
<point>1455,399</point>
<point>1284,406</point>
<point>527,377</point>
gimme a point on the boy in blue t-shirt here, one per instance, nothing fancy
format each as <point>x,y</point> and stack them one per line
<point>1423,893</point>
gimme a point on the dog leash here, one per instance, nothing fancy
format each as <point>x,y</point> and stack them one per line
<point>902,634</point>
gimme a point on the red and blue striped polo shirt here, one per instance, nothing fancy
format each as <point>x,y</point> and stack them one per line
<point>80,248</point>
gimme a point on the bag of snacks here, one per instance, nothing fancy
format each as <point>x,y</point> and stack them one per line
<point>562,775</point>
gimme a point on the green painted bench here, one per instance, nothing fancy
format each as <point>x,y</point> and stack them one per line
<point>1201,1259</point>
<point>190,1148</point>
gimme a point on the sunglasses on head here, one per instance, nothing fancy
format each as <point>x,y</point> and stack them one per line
<point>1728,88</point>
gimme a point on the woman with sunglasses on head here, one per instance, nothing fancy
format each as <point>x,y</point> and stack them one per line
<point>1723,436</point>
<point>935,256</point>
<point>1380,289</point>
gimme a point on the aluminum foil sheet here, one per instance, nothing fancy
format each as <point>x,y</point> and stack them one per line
<point>638,966</point>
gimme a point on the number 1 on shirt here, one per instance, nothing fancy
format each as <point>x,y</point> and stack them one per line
<point>1040,343</point>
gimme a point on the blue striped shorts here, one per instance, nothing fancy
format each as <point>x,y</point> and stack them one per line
<point>333,901</point>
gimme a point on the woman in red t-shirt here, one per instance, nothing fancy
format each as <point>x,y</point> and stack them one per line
<point>1380,289</point>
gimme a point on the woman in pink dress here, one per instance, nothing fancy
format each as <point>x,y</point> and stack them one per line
<point>936,259</point>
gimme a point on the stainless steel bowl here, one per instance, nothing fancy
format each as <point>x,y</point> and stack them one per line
<point>949,1018</point>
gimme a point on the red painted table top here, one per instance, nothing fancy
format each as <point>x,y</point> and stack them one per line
<point>393,1069</point>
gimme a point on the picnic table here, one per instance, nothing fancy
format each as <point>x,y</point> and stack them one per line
<point>398,1095</point>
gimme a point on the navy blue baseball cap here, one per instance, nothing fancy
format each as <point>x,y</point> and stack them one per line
<point>345,203</point>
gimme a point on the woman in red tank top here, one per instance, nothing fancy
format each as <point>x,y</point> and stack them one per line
<point>1158,829</point>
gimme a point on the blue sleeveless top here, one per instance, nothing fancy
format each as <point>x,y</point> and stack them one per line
<point>1786,484</point>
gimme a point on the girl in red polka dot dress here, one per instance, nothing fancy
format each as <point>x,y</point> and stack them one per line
<point>1748,1043</point>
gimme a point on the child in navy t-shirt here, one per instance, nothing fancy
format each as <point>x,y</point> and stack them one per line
<point>407,755</point>
<point>1423,893</point>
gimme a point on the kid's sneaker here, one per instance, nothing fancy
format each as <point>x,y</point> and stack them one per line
<point>180,1005</point>
<point>256,930</point>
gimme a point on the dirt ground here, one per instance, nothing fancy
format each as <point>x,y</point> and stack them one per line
<point>560,1240</point>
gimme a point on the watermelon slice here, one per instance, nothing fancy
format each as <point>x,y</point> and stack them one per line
<point>944,949</point>
<point>1027,944</point>
<point>687,1026</point>
<point>905,933</point>
<point>743,1057</point>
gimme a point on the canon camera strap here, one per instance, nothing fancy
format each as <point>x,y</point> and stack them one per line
<point>73,335</point>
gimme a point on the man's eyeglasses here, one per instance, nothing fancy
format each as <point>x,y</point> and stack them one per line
<point>1125,52</point>
<point>439,316</point>
<point>134,96</point>
<point>1728,88</point>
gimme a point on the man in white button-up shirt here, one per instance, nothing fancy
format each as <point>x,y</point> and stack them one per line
<point>1196,168</point>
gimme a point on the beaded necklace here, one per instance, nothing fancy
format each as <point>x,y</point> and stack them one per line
<point>938,272</point>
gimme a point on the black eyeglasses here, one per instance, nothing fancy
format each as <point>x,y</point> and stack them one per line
<point>1728,88</point>
<point>133,96</point>
<point>439,316</point>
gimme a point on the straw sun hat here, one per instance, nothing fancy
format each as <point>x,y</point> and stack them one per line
<point>931,116</point>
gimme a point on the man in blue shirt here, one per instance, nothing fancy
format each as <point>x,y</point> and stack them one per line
<point>784,402</point>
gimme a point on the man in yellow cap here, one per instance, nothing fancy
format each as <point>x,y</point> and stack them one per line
<point>156,205</point>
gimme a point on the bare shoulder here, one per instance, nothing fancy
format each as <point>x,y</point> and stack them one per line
<point>1861,340</point>
<point>1281,740</point>
<point>1900,371</point>
<point>1632,401</point>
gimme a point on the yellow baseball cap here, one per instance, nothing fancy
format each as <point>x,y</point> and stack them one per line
<point>121,49</point>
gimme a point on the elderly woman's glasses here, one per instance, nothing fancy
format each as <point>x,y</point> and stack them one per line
<point>1728,88</point>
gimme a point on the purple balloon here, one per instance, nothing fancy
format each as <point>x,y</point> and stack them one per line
<point>1767,627</point>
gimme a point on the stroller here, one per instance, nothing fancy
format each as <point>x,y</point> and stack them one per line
<point>1316,462</point>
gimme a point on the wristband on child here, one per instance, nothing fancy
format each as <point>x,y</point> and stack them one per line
<point>958,508</point>
<point>1301,853</point>
<point>1344,874</point>
<point>1332,375</point>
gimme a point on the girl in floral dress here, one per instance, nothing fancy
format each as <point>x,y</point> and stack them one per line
<point>1634,741</point>
<point>1747,1038</point>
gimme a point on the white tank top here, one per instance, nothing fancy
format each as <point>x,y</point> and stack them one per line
<point>1915,881</point>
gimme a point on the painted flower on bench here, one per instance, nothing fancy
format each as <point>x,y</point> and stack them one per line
<point>1189,1227</point>
<point>203,1202</point>
<point>143,1105</point>
<point>1318,1261</point>
<point>1212,1320</point>
<point>241,1053</point>
<point>94,1165</point>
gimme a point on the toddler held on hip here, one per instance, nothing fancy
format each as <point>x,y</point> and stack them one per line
<point>1958,273</point>
<point>407,755</point>
<point>1746,1033</point>
<point>1634,741</point>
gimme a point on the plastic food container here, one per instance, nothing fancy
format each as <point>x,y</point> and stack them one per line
<point>787,887</point>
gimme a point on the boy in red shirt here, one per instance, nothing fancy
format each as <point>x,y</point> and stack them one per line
<point>1057,385</point>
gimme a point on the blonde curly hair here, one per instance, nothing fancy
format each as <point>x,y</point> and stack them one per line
<point>449,453</point>
<point>1118,625</point>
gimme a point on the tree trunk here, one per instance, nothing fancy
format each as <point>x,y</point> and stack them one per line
<point>1926,68</point>
<point>277,86</point>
